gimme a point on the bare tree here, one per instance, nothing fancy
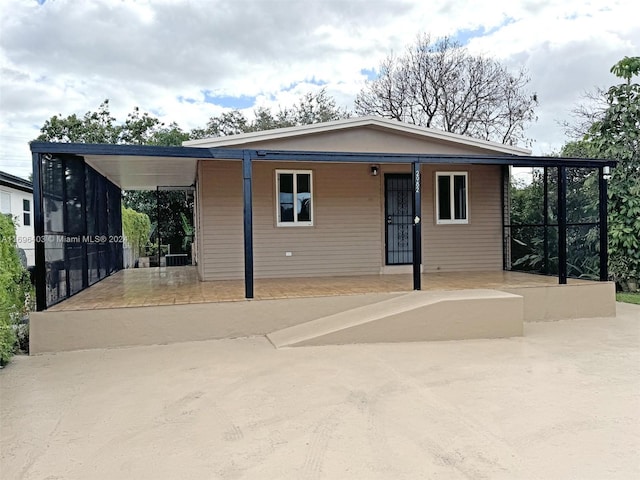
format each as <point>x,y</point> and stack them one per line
<point>441,85</point>
<point>591,109</point>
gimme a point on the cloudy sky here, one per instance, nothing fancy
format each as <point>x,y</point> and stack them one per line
<point>186,60</point>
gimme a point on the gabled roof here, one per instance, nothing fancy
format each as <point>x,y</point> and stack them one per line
<point>8,180</point>
<point>355,122</point>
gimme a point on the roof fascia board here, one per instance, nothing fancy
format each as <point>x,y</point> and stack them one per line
<point>17,183</point>
<point>349,157</point>
<point>16,187</point>
<point>114,149</point>
<point>309,156</point>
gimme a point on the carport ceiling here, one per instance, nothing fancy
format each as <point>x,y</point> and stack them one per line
<point>145,173</point>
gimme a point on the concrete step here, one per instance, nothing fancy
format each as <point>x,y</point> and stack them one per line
<point>413,317</point>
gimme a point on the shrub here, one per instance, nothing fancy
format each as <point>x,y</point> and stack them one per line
<point>15,289</point>
<point>136,227</point>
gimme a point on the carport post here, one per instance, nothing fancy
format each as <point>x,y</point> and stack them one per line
<point>248,223</point>
<point>562,225</point>
<point>417,227</point>
<point>604,247</point>
<point>38,230</point>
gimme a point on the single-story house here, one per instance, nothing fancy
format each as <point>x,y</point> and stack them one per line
<point>16,199</point>
<point>363,197</point>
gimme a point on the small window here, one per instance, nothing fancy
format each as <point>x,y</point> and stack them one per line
<point>26,212</point>
<point>5,202</point>
<point>452,197</point>
<point>294,198</point>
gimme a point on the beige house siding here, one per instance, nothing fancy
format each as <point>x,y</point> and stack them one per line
<point>347,237</point>
<point>363,139</point>
<point>221,254</point>
<point>344,240</point>
<point>467,247</point>
<point>348,234</point>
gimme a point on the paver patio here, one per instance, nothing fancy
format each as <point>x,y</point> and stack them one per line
<point>180,285</point>
<point>560,402</point>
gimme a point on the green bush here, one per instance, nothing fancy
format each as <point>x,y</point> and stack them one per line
<point>136,227</point>
<point>15,289</point>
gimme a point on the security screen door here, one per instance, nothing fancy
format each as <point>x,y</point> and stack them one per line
<point>399,218</point>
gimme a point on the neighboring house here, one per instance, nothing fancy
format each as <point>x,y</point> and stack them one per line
<point>16,199</point>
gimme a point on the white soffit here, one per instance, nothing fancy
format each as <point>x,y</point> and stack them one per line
<point>145,173</point>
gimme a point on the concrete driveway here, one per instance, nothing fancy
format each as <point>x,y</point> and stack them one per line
<point>562,402</point>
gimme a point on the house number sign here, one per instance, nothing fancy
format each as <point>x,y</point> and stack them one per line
<point>418,182</point>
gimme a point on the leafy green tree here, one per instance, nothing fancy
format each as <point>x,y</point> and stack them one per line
<point>527,209</point>
<point>311,108</point>
<point>136,227</point>
<point>170,136</point>
<point>227,123</point>
<point>15,289</point>
<point>93,127</point>
<point>613,132</point>
<point>314,108</point>
<point>617,135</point>
<point>167,206</point>
<point>139,128</point>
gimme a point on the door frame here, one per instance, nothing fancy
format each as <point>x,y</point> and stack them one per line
<point>387,176</point>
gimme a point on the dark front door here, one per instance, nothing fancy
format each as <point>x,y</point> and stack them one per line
<point>398,189</point>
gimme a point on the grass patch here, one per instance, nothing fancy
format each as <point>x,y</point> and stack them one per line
<point>628,297</point>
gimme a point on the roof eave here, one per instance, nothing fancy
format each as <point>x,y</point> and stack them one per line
<point>310,156</point>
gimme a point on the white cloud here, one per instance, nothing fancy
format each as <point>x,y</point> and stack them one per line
<point>67,56</point>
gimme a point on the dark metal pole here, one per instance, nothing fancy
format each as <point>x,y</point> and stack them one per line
<point>65,223</point>
<point>504,195</point>
<point>417,227</point>
<point>159,238</point>
<point>248,223</point>
<point>545,222</point>
<point>85,232</point>
<point>119,245</point>
<point>38,230</point>
<point>562,225</point>
<point>604,247</point>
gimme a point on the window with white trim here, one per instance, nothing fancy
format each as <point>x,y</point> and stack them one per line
<point>26,212</point>
<point>452,197</point>
<point>5,202</point>
<point>294,198</point>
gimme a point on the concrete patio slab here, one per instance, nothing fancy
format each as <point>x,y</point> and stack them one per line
<point>560,402</point>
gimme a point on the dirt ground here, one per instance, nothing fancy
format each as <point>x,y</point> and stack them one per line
<point>561,402</point>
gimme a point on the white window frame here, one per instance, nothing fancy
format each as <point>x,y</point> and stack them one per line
<point>27,212</point>
<point>296,222</point>
<point>452,221</point>
<point>6,204</point>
